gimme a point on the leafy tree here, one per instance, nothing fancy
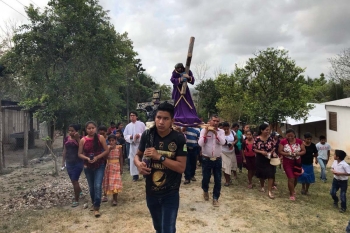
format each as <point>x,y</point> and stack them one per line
<point>275,87</point>
<point>231,103</point>
<point>165,92</point>
<point>207,96</point>
<point>70,59</point>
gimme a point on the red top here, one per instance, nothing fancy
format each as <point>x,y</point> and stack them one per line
<point>89,149</point>
<point>248,149</point>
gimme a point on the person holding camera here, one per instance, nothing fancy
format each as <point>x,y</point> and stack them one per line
<point>161,157</point>
<point>211,140</point>
<point>228,154</point>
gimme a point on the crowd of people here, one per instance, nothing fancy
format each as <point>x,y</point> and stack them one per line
<point>163,153</point>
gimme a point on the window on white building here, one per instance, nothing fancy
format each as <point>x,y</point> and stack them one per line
<point>333,121</point>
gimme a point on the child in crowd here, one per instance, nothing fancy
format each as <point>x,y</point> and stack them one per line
<point>112,180</point>
<point>323,149</point>
<point>249,156</point>
<point>111,128</point>
<point>341,171</point>
<point>121,141</point>
<point>102,130</point>
<point>307,160</point>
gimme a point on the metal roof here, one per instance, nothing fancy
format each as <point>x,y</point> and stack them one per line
<point>318,113</point>
<point>341,103</point>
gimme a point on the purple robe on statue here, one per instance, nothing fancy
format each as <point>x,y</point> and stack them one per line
<point>185,112</point>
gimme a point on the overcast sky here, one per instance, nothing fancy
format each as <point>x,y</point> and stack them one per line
<point>227,32</point>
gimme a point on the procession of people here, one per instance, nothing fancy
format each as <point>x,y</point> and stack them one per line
<point>178,143</point>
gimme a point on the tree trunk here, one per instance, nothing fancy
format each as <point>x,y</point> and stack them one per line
<point>26,134</point>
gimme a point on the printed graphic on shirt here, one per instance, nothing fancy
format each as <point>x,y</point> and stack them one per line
<point>172,146</point>
<point>159,178</point>
<point>161,145</point>
<point>163,180</point>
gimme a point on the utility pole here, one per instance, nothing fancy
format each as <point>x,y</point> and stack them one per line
<point>127,99</point>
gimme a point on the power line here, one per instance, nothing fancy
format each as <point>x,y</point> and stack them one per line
<point>20,3</point>
<point>14,9</point>
<point>34,3</point>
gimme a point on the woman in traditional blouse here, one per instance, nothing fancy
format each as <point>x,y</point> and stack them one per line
<point>264,147</point>
<point>291,148</point>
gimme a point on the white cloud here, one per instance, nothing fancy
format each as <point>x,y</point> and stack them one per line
<point>227,32</point>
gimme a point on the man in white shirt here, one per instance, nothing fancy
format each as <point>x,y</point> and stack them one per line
<point>323,156</point>
<point>341,171</point>
<point>211,140</point>
<point>132,135</point>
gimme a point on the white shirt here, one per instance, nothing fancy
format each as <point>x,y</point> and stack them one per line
<point>230,139</point>
<point>341,167</point>
<point>212,145</point>
<point>323,150</point>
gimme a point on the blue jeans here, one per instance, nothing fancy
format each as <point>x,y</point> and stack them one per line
<point>343,186</point>
<point>191,162</point>
<point>323,164</point>
<point>208,167</point>
<point>94,178</point>
<point>164,212</point>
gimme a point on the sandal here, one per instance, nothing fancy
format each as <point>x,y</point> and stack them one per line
<point>226,184</point>
<point>274,187</point>
<point>104,199</point>
<point>250,186</point>
<point>92,208</point>
<point>75,204</point>
<point>262,190</point>
<point>292,198</point>
<point>271,196</point>
<point>97,213</point>
<point>114,203</point>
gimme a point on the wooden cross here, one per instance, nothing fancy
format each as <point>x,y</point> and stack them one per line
<point>188,64</point>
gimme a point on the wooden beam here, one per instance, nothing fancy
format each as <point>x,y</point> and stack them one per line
<point>25,124</point>
<point>188,64</point>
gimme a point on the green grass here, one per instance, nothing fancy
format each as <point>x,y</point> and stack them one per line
<point>241,210</point>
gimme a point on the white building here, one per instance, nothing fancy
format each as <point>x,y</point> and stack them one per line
<point>338,124</point>
<point>315,123</point>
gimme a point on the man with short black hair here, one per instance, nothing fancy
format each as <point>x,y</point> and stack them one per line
<point>163,154</point>
<point>211,140</point>
<point>132,135</point>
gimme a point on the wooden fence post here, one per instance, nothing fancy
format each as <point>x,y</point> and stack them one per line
<point>25,155</point>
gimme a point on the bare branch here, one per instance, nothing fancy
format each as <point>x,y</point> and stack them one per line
<point>218,71</point>
<point>7,31</point>
<point>200,70</point>
<point>340,66</point>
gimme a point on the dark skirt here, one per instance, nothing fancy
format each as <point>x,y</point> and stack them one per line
<point>239,157</point>
<point>250,163</point>
<point>264,170</point>
<point>308,177</point>
<point>74,170</point>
